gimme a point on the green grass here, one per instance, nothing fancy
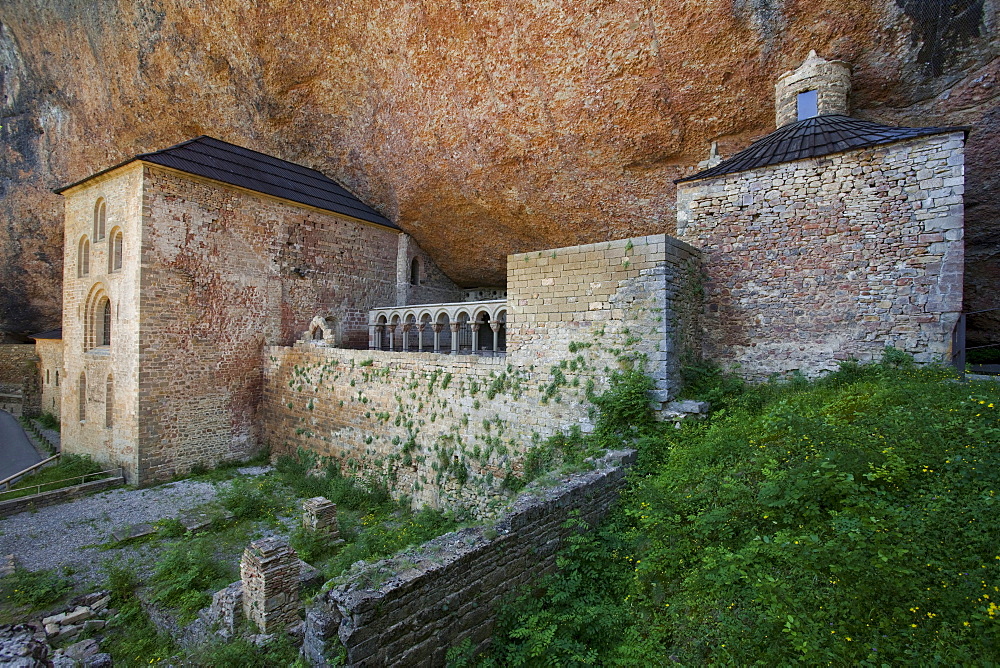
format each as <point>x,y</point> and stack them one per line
<point>847,521</point>
<point>29,591</point>
<point>55,477</point>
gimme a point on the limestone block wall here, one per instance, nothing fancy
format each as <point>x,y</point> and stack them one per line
<point>51,374</point>
<point>89,431</point>
<point>447,430</point>
<point>815,261</point>
<point>226,271</point>
<point>410,610</point>
<point>641,295</point>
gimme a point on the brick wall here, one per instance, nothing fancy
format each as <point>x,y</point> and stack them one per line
<point>447,430</point>
<point>446,591</point>
<point>820,260</point>
<point>225,272</point>
<point>18,361</point>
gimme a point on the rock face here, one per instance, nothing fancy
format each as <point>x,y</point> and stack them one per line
<point>481,128</point>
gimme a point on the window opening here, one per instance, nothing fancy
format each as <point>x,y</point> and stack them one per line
<point>83,258</point>
<point>109,402</point>
<point>100,217</point>
<point>807,105</point>
<point>106,329</point>
<point>415,272</point>
<point>116,251</point>
<point>83,397</point>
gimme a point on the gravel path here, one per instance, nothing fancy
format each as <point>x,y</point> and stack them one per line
<point>59,535</point>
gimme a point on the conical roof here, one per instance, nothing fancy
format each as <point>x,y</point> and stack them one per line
<point>812,138</point>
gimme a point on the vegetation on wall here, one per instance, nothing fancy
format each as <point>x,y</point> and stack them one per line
<point>848,520</point>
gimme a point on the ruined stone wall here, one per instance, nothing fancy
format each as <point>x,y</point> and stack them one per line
<point>51,374</point>
<point>225,272</point>
<point>448,429</point>
<point>111,443</point>
<point>815,261</point>
<point>411,609</point>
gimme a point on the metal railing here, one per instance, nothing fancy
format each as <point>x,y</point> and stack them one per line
<point>958,347</point>
<point>34,468</point>
<point>119,471</point>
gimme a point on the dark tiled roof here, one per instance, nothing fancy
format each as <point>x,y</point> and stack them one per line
<point>812,138</point>
<point>51,334</point>
<point>238,166</point>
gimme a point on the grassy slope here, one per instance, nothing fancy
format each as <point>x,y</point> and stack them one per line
<point>848,521</point>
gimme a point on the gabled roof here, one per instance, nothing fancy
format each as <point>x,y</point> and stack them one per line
<point>215,159</point>
<point>812,138</point>
<point>51,334</point>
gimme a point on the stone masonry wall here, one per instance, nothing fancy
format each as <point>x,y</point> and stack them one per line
<point>111,444</point>
<point>448,430</point>
<point>19,389</point>
<point>51,374</point>
<point>225,272</point>
<point>820,260</point>
<point>411,609</point>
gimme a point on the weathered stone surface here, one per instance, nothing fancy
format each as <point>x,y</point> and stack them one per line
<point>482,130</point>
<point>410,609</point>
<point>269,573</point>
<point>20,647</point>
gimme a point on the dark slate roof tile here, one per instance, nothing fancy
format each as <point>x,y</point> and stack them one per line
<point>813,138</point>
<point>221,161</point>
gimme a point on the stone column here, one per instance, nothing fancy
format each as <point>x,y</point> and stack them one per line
<point>454,336</point>
<point>392,337</point>
<point>373,331</point>
<point>475,335</point>
<point>406,336</point>
<point>269,570</point>
<point>319,514</point>
<point>495,326</point>
<point>420,338</point>
<point>437,337</point>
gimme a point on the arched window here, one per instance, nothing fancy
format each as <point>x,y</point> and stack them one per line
<point>109,402</point>
<point>415,271</point>
<point>105,338</point>
<point>115,251</point>
<point>83,258</point>
<point>100,218</point>
<point>83,397</point>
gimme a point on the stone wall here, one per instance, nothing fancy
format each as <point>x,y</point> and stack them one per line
<point>447,430</point>
<point>19,392</point>
<point>411,609</point>
<point>432,286</point>
<point>637,296</point>
<point>226,271</point>
<point>50,374</point>
<point>820,260</point>
<point>86,429</point>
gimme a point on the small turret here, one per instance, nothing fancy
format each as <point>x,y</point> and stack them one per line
<point>817,88</point>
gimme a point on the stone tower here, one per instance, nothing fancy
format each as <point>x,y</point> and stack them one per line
<point>817,88</point>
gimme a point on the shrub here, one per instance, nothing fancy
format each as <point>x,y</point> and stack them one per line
<point>252,498</point>
<point>185,573</point>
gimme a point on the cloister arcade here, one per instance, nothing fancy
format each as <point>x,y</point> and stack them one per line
<point>460,328</point>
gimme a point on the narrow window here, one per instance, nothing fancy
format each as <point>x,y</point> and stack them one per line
<point>106,324</point>
<point>415,272</point>
<point>83,397</point>
<point>83,258</point>
<point>47,379</point>
<point>100,218</point>
<point>109,403</point>
<point>57,377</point>
<point>807,105</point>
<point>115,256</point>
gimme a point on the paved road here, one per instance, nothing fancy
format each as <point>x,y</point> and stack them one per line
<point>16,452</point>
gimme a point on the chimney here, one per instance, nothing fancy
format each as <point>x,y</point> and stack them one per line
<point>817,88</point>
